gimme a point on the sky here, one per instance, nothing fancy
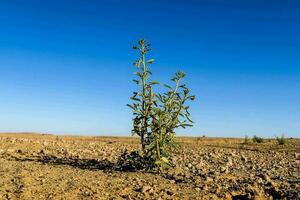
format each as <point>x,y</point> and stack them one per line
<point>66,66</point>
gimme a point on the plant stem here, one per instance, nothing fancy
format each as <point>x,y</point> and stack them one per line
<point>144,106</point>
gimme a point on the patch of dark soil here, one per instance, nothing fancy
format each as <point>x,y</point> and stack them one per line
<point>241,197</point>
<point>90,164</point>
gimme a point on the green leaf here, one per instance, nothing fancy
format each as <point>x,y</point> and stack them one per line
<point>183,86</point>
<point>150,61</point>
<point>130,106</point>
<point>187,125</point>
<point>181,114</point>
<point>180,74</point>
<point>188,118</point>
<point>192,98</point>
<point>164,159</point>
<point>136,81</point>
<point>166,85</point>
<point>138,74</point>
<point>134,94</point>
<point>135,99</point>
<point>153,83</point>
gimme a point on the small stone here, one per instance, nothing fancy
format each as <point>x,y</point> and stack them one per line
<point>229,162</point>
<point>146,189</point>
<point>224,169</point>
<point>243,158</point>
<point>200,166</point>
<point>169,192</point>
<point>209,179</point>
<point>266,177</point>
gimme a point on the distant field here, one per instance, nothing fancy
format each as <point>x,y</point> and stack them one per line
<point>39,166</point>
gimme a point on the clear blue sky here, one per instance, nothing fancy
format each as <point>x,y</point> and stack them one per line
<point>66,66</point>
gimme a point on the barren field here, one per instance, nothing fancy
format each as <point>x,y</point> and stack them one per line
<point>34,166</point>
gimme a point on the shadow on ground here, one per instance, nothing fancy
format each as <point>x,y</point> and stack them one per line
<point>127,161</point>
<point>90,164</point>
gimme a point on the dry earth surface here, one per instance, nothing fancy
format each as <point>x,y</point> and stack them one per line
<point>36,166</point>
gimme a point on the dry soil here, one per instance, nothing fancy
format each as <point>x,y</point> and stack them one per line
<point>37,166</point>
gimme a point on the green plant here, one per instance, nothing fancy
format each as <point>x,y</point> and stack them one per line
<point>156,116</point>
<point>257,139</point>
<point>132,161</point>
<point>169,114</point>
<point>144,99</point>
<point>281,140</point>
<point>246,140</point>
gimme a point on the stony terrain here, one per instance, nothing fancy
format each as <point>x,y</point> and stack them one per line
<point>34,166</point>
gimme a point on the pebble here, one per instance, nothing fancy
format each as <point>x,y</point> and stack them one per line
<point>224,169</point>
<point>147,189</point>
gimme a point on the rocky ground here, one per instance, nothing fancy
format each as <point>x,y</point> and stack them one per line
<point>34,166</point>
